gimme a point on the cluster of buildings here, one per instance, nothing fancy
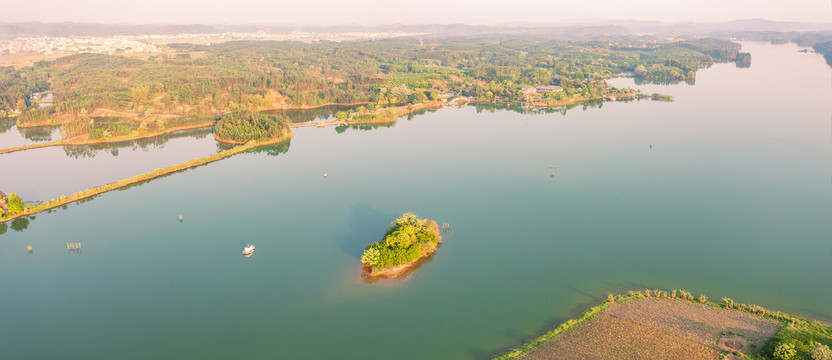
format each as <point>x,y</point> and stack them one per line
<point>264,36</point>
<point>45,45</point>
<point>539,90</point>
<point>42,99</point>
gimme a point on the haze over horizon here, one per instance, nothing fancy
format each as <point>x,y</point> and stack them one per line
<point>378,12</point>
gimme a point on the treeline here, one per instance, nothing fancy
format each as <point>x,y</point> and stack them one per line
<point>253,76</point>
<point>244,126</point>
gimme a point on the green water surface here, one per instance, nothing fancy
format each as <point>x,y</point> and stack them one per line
<point>726,191</point>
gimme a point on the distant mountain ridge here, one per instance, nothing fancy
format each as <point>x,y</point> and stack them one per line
<point>570,29</point>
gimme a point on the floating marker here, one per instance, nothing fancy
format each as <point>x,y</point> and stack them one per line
<point>180,217</point>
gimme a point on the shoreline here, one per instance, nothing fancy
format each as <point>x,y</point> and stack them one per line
<point>132,115</point>
<point>71,142</point>
<point>398,112</point>
<point>147,176</point>
<point>227,141</point>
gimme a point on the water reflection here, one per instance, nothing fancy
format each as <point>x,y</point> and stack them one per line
<point>20,224</point>
<point>221,146</point>
<point>317,114</point>
<point>363,127</point>
<point>273,149</point>
<point>145,144</point>
<point>589,104</point>
<point>39,133</point>
<point>25,136</point>
<point>642,81</point>
<point>6,124</point>
<point>413,114</point>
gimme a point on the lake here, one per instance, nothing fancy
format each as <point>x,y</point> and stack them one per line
<point>726,191</point>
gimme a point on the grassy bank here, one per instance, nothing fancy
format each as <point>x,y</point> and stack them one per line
<point>32,146</point>
<point>63,200</point>
<point>796,338</point>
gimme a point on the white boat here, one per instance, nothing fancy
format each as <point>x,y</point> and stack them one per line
<point>248,250</point>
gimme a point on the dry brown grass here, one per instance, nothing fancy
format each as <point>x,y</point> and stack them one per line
<point>652,328</point>
<point>698,322</point>
<point>608,337</point>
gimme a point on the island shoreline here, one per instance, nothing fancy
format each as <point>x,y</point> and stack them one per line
<point>393,271</point>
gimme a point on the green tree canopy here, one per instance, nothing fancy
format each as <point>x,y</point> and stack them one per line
<point>243,126</point>
<point>15,203</point>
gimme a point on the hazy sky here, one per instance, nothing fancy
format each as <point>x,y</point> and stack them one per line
<point>373,12</point>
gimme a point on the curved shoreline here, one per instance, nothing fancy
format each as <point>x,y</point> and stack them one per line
<point>227,141</point>
<point>148,176</point>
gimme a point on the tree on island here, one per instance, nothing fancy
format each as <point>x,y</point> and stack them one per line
<point>407,239</point>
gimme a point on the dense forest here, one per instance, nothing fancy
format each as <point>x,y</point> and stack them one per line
<point>242,126</point>
<point>197,82</point>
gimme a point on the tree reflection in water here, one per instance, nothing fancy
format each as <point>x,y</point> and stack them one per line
<point>146,144</point>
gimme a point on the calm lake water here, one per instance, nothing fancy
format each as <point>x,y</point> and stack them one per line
<point>733,199</point>
<point>12,136</point>
<point>46,173</point>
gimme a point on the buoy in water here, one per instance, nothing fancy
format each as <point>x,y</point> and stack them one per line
<point>324,174</point>
<point>180,217</point>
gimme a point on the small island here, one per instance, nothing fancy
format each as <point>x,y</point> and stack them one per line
<point>407,240</point>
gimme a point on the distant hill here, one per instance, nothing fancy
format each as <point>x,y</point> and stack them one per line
<point>573,30</point>
<point>701,28</point>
